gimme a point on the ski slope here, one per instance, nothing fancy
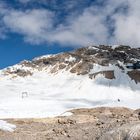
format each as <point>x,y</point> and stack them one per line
<point>50,95</point>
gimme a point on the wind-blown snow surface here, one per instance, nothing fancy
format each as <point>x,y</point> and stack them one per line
<point>6,126</point>
<point>52,94</point>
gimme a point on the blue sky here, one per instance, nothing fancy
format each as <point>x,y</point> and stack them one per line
<point>30,28</point>
<point>14,50</point>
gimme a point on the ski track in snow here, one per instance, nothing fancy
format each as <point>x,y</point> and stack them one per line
<point>50,95</point>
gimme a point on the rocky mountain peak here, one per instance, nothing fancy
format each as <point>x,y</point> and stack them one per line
<point>91,61</point>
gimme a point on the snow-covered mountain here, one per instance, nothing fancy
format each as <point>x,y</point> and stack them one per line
<point>88,77</point>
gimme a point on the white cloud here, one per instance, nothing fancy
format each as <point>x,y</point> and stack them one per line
<point>92,26</point>
<point>31,23</point>
<point>2,26</point>
<point>126,30</point>
<point>126,27</point>
<point>37,26</point>
<point>83,30</point>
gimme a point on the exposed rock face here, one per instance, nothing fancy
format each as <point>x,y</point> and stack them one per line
<point>85,124</point>
<point>106,74</point>
<point>21,72</point>
<point>82,61</point>
<point>126,132</point>
<point>135,75</point>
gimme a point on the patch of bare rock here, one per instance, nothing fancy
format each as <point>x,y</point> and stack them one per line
<point>104,123</point>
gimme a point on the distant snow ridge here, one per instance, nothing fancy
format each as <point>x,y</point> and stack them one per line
<point>87,77</point>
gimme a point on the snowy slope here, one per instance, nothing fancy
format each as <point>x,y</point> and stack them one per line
<point>52,93</point>
<point>6,126</point>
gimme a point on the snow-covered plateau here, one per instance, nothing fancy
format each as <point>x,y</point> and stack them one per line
<point>48,86</point>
